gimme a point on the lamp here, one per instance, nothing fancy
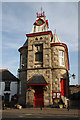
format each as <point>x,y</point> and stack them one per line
<point>73,75</point>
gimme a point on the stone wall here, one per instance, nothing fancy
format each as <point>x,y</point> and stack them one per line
<point>74,89</point>
<point>23,76</point>
<point>74,96</point>
<point>50,68</point>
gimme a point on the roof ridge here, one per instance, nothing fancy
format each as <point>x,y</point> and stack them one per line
<point>1,70</point>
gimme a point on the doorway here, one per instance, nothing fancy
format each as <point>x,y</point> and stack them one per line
<point>38,96</point>
<point>6,97</point>
<point>63,87</point>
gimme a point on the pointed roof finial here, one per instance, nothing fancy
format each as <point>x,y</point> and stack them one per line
<point>41,9</point>
<point>55,31</point>
<point>42,14</point>
<point>37,14</point>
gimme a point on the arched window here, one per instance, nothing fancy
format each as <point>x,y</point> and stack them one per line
<point>36,39</point>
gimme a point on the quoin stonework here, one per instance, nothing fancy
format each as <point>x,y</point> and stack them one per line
<point>44,66</point>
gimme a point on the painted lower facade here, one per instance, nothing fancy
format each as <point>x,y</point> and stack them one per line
<point>13,90</point>
<point>9,86</point>
<point>44,66</point>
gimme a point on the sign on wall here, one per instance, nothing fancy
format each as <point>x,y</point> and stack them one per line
<point>56,95</point>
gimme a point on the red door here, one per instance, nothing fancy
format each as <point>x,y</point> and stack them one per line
<point>63,87</point>
<point>38,96</point>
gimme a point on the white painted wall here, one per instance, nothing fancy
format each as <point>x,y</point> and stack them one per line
<point>2,87</point>
<point>13,89</point>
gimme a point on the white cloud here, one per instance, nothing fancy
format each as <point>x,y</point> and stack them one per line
<point>11,65</point>
<point>19,17</point>
<point>11,45</point>
<point>65,22</point>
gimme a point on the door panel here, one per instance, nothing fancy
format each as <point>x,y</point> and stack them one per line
<point>63,87</point>
<point>38,96</point>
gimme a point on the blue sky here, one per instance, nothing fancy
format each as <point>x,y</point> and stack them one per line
<point>18,18</point>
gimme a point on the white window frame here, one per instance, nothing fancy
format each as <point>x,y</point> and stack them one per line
<point>61,58</point>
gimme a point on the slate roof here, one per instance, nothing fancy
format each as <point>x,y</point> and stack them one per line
<point>25,44</point>
<point>37,79</point>
<point>7,75</point>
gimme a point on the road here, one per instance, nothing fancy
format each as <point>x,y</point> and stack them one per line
<point>37,113</point>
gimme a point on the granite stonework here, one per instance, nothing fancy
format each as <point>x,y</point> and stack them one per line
<point>43,54</point>
<point>49,68</point>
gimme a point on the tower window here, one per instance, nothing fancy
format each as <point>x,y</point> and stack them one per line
<point>39,56</point>
<point>39,47</point>
<point>41,38</point>
<point>36,39</point>
<point>39,53</point>
<point>61,58</point>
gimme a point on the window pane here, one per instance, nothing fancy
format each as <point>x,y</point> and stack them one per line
<point>58,95</point>
<point>61,58</point>
<point>39,56</point>
<point>54,95</point>
<point>7,86</point>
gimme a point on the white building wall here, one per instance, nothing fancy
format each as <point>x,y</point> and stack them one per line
<point>2,88</point>
<point>13,89</point>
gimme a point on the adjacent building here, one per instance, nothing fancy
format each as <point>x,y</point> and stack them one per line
<point>44,66</point>
<point>9,85</point>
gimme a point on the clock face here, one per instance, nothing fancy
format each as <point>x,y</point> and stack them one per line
<point>39,22</point>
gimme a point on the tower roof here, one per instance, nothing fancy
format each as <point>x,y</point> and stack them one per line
<point>25,45</point>
<point>41,24</point>
<point>37,80</point>
<point>56,38</point>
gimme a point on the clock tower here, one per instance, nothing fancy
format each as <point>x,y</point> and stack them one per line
<point>44,66</point>
<point>41,23</point>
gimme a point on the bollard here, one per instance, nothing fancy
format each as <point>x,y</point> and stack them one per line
<point>41,105</point>
<point>67,105</point>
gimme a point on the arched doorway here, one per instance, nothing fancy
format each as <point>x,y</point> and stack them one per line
<point>37,82</point>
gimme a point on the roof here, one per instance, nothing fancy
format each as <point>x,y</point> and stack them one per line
<point>74,86</point>
<point>39,33</point>
<point>7,75</point>
<point>25,45</point>
<point>37,80</point>
<point>56,38</point>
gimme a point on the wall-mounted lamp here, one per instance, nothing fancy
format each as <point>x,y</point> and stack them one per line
<point>73,75</point>
<point>22,65</point>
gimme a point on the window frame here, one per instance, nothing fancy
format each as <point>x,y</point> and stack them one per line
<point>7,86</point>
<point>39,55</point>
<point>61,58</point>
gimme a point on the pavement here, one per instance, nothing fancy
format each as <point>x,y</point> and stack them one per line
<point>38,114</point>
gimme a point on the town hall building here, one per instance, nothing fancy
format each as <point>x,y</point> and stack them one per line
<point>44,66</point>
